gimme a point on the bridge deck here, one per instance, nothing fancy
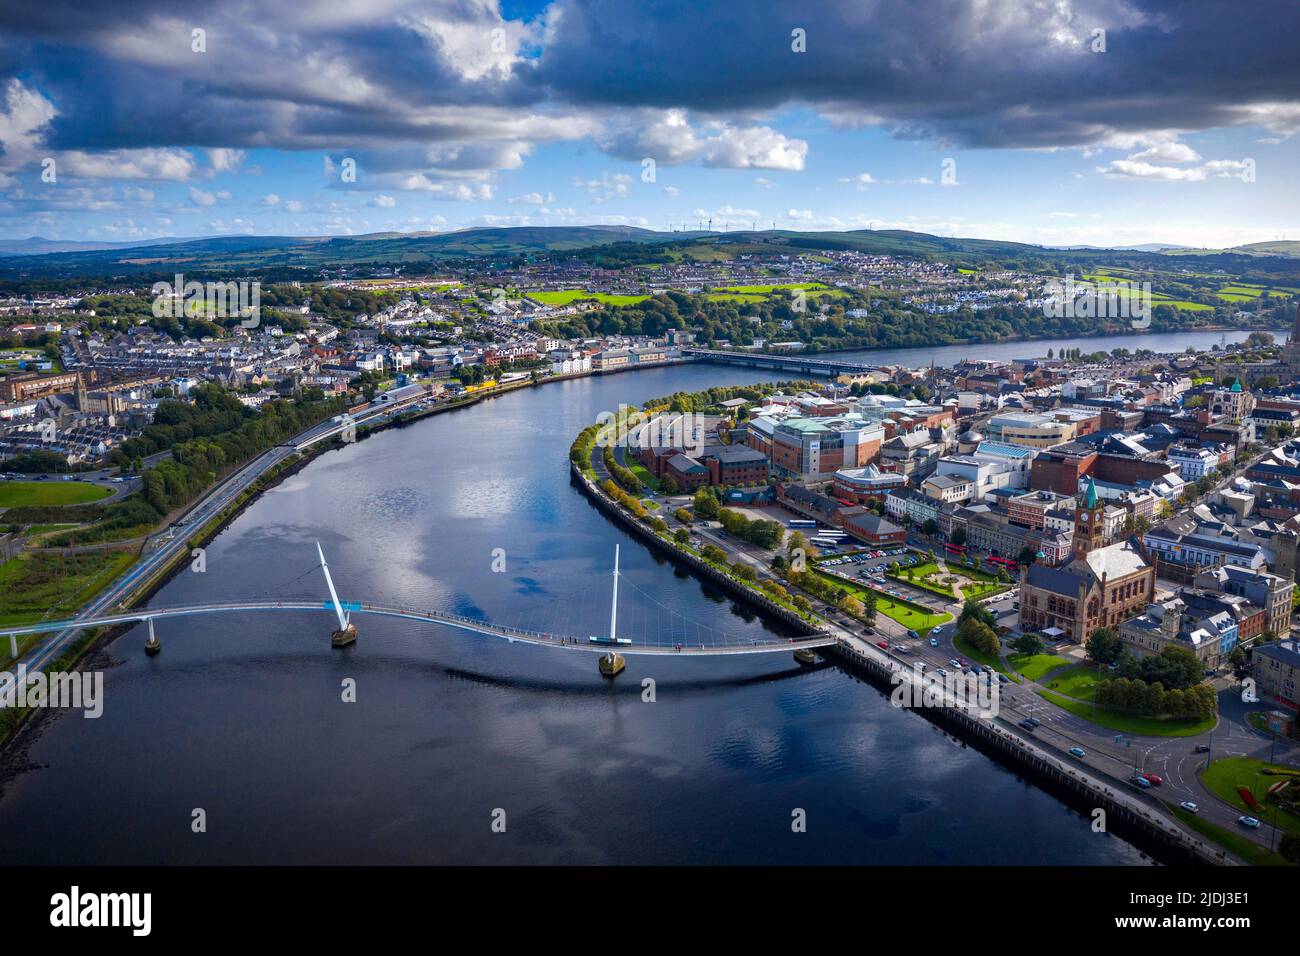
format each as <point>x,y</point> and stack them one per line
<point>521,635</point>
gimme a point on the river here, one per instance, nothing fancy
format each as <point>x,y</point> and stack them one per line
<point>243,717</point>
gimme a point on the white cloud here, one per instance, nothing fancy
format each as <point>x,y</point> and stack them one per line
<point>226,160</point>
<point>608,186</point>
<point>383,202</point>
<point>1132,169</point>
<point>270,199</point>
<point>799,215</point>
<point>200,198</point>
<point>23,118</point>
<point>861,180</point>
<point>168,164</point>
<point>672,192</point>
<point>1167,153</point>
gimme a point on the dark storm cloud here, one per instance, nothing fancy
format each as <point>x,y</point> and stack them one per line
<point>982,74</point>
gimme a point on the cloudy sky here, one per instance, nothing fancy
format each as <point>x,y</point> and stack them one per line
<point>1099,121</point>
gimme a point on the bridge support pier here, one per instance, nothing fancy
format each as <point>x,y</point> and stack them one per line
<point>152,645</point>
<point>611,664</point>
<point>344,637</point>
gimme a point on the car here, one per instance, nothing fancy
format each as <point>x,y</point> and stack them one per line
<point>913,634</point>
<point>1202,748</point>
<point>1154,779</point>
<point>1002,678</point>
<point>961,662</point>
<point>1033,720</point>
<point>941,672</point>
<point>955,663</point>
<point>901,648</point>
<point>1027,724</point>
<point>1078,751</point>
<point>934,642</point>
<point>937,630</point>
<point>1190,807</point>
<point>1250,822</point>
<point>883,645</point>
<point>1142,783</point>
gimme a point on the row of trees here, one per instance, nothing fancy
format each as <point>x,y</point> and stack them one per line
<point>1154,700</point>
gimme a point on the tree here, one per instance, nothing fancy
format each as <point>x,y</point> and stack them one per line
<point>959,535</point>
<point>668,485</point>
<point>682,515</point>
<point>931,526</point>
<point>706,506</point>
<point>1104,646</point>
<point>682,536</point>
<point>1027,556</point>
<point>973,610</point>
<point>869,605</point>
<point>975,633</point>
<point>1028,644</point>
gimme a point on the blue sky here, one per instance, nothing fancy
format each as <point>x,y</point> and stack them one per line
<point>473,113</point>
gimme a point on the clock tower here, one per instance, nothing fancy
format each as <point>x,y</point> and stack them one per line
<point>1089,523</point>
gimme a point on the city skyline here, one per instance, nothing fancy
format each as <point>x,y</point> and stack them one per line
<point>1021,123</point>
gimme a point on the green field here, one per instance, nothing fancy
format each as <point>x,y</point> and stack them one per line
<point>565,296</point>
<point>14,494</point>
<point>1223,776</point>
<point>34,587</point>
<point>1035,666</point>
<point>1079,682</point>
<point>1130,723</point>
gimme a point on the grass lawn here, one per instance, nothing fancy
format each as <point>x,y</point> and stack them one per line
<point>1079,682</point>
<point>565,296</point>
<point>1034,666</point>
<point>1224,775</point>
<point>52,586</point>
<point>1237,844</point>
<point>14,494</point>
<point>638,469</point>
<point>1130,723</point>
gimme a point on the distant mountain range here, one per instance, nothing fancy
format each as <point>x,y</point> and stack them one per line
<point>38,257</point>
<point>1144,247</point>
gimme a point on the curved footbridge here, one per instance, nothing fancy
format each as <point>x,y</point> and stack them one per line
<point>514,634</point>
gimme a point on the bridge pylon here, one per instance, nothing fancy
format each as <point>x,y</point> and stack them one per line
<point>612,663</point>
<point>347,632</point>
<point>151,644</point>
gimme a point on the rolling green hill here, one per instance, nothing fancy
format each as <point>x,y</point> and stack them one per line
<point>304,257</point>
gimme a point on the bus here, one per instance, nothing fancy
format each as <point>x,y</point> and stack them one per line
<point>957,549</point>
<point>825,542</point>
<point>1003,563</point>
<point>801,523</point>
